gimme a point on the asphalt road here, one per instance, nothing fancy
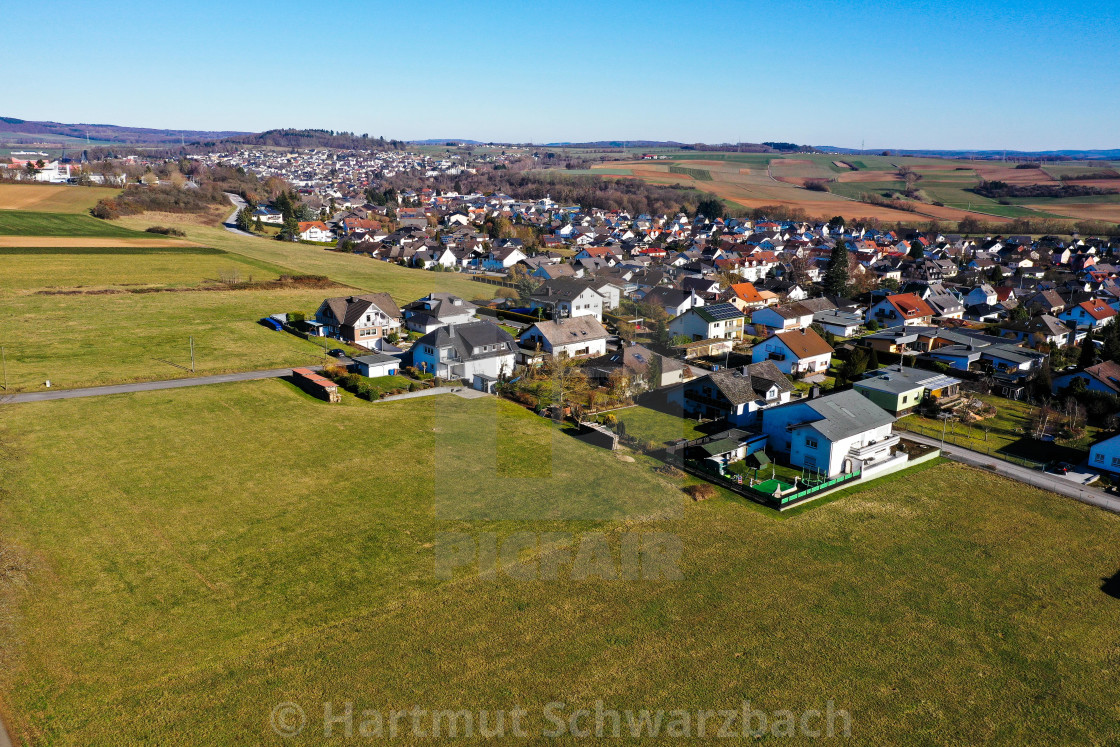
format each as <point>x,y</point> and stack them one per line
<point>1045,480</point>
<point>145,386</point>
<point>231,222</point>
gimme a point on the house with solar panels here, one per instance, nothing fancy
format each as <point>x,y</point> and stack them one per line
<point>719,321</point>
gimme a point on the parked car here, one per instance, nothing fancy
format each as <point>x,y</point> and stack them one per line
<point>337,353</point>
<point>1061,468</point>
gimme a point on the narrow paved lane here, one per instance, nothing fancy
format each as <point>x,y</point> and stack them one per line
<point>231,222</point>
<point>147,386</point>
<point>1045,480</point>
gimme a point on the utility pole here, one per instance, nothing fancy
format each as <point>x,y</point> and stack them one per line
<point>192,354</point>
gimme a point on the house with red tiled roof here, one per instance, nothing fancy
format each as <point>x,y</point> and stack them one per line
<point>794,352</point>
<point>900,308</point>
<point>315,230</point>
<point>745,297</point>
<point>1092,314</point>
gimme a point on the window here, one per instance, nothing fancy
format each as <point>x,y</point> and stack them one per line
<point>1100,457</point>
<point>810,462</point>
<point>811,442</point>
<point>1116,461</point>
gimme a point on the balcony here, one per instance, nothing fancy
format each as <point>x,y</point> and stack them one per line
<point>866,452</point>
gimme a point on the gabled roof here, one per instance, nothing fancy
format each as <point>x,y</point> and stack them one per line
<point>467,338</point>
<point>804,343</point>
<point>560,289</point>
<point>569,331</point>
<point>349,309</point>
<point>909,306</point>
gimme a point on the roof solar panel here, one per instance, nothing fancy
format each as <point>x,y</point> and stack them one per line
<point>721,311</point>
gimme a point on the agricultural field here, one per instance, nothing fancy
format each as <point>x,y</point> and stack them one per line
<point>759,180</point>
<point>52,198</point>
<point>65,225</point>
<point>172,579</point>
<point>404,284</point>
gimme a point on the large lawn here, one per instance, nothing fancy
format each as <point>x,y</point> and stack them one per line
<point>86,340</point>
<point>181,562</point>
<point>60,268</point>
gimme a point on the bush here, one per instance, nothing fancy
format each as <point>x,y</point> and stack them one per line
<point>366,390</point>
<point>165,231</point>
<point>701,492</point>
<point>352,381</point>
<point>412,386</point>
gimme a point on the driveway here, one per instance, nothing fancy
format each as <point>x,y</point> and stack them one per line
<point>146,386</point>
<point>458,391</point>
<point>1044,480</point>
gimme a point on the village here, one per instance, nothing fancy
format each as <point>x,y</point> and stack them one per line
<point>797,346</point>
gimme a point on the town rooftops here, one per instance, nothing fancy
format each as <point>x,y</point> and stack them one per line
<point>472,341</point>
<point>750,382</point>
<point>717,312</point>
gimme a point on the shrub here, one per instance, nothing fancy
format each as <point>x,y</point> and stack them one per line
<point>352,381</point>
<point>165,231</point>
<point>412,386</point>
<point>701,492</point>
<point>366,390</point>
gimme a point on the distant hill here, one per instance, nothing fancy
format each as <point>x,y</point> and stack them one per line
<point>290,138</point>
<point>1072,155</point>
<point>445,141</point>
<point>14,130</point>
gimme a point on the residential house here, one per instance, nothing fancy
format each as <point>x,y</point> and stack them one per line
<point>437,310</point>
<point>480,352</point>
<point>781,318</point>
<point>1104,455</point>
<point>1042,329</point>
<point>315,230</point>
<point>746,297</point>
<point>839,323</point>
<point>364,321</point>
<point>673,300</point>
<point>794,352</point>
<point>735,395</point>
<point>899,390</point>
<point>717,321</point>
<point>838,434</point>
<point>1103,377</point>
<point>643,368</point>
<point>575,337</point>
<point>900,308</point>
<point>1092,314</point>
<point>567,297</point>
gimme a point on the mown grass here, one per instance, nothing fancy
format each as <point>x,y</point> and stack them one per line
<point>189,559</point>
<point>700,175</point>
<point>88,340</point>
<point>64,268</point>
<point>647,424</point>
<point>30,223</point>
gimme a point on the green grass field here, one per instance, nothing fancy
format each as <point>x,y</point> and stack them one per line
<point>647,424</point>
<point>1006,434</point>
<point>128,267</point>
<point>404,284</point>
<point>181,562</point>
<point>29,223</point>
<point>700,175</point>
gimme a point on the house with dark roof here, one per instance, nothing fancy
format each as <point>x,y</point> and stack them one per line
<point>837,434</point>
<point>716,321</point>
<point>480,352</point>
<point>567,297</point>
<point>364,320</point>
<point>642,367</point>
<point>735,394</point>
<point>1042,329</point>
<point>437,310</point>
<point>799,351</point>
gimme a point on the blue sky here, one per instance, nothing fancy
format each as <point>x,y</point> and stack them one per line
<point>1019,74</point>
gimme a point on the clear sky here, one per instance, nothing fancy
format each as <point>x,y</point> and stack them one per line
<point>983,74</point>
